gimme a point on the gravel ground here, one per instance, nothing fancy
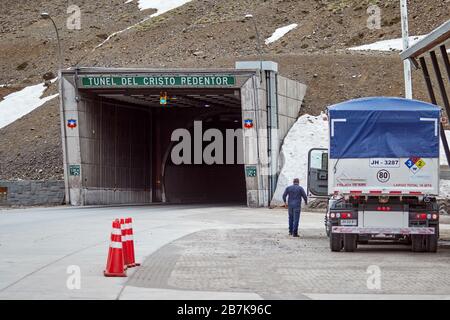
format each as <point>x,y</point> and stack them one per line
<point>276,266</point>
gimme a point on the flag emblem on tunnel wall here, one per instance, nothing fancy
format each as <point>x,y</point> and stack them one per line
<point>248,123</point>
<point>72,123</point>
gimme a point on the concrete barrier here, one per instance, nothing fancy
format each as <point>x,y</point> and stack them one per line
<point>31,192</point>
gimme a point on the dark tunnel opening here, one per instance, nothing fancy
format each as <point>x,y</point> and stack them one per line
<point>222,181</point>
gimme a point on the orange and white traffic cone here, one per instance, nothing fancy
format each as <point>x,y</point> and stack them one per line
<point>130,240</point>
<point>115,263</point>
<point>125,243</point>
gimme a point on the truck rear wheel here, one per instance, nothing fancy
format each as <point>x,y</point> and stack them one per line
<point>431,243</point>
<point>350,242</point>
<point>335,242</point>
<point>418,243</point>
<point>431,240</point>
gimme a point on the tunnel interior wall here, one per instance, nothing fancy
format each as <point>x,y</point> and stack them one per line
<point>115,152</point>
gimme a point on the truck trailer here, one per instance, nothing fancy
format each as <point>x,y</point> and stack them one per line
<point>380,173</point>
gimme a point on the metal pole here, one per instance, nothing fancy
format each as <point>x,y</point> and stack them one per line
<point>406,62</point>
<point>258,44</point>
<point>60,57</point>
<point>258,38</point>
<point>446,61</point>
<point>61,110</point>
<point>434,101</point>
<point>440,81</point>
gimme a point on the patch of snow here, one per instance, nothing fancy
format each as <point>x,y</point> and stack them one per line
<point>387,45</point>
<point>162,6</point>
<point>442,156</point>
<point>119,32</point>
<point>444,189</point>
<point>308,132</point>
<point>280,32</point>
<point>20,103</point>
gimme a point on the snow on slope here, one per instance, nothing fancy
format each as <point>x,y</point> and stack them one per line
<point>162,6</point>
<point>20,103</point>
<point>312,132</point>
<point>387,45</point>
<point>280,32</point>
<point>443,158</point>
<point>307,133</point>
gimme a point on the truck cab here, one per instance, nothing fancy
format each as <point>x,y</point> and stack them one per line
<point>380,174</point>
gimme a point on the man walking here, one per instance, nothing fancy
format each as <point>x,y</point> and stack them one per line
<point>295,193</point>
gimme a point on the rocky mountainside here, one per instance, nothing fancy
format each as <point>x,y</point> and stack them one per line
<point>201,33</point>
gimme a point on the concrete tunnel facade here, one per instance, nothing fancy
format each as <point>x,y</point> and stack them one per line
<point>118,135</point>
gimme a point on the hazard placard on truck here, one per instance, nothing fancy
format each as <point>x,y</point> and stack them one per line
<point>385,175</point>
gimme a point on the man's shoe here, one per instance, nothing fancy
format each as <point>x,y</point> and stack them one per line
<point>295,235</point>
<point>290,233</point>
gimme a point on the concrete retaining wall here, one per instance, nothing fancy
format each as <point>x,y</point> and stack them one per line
<point>31,192</point>
<point>290,98</point>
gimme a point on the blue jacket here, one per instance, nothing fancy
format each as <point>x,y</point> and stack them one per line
<point>295,194</point>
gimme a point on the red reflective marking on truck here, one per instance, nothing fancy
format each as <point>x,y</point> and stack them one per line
<point>415,192</point>
<point>375,192</point>
<point>395,192</point>
<point>357,192</point>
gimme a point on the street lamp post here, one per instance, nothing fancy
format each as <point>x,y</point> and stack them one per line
<point>258,38</point>
<point>46,16</point>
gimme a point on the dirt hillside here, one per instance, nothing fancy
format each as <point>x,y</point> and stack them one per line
<point>202,33</point>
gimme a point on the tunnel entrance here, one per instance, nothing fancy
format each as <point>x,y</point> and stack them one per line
<point>135,146</point>
<point>175,136</point>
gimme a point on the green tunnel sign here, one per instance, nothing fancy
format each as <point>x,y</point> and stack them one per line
<point>157,81</point>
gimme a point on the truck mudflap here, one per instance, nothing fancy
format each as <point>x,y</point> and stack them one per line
<point>378,231</point>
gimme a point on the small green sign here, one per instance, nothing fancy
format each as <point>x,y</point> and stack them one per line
<point>250,171</point>
<point>158,81</point>
<point>74,170</point>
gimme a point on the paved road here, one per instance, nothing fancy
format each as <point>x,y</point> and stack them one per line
<point>198,252</point>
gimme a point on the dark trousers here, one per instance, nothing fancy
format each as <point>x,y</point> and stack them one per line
<point>294,219</point>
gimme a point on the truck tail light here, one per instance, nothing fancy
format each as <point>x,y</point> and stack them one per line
<point>421,216</point>
<point>434,216</point>
<point>346,215</point>
<point>382,208</point>
<point>341,215</point>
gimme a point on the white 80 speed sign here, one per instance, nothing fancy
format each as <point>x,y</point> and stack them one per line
<point>383,176</point>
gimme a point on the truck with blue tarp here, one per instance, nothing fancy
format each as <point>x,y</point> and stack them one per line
<point>380,173</point>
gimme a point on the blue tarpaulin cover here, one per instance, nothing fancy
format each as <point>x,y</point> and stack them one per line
<point>382,127</point>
